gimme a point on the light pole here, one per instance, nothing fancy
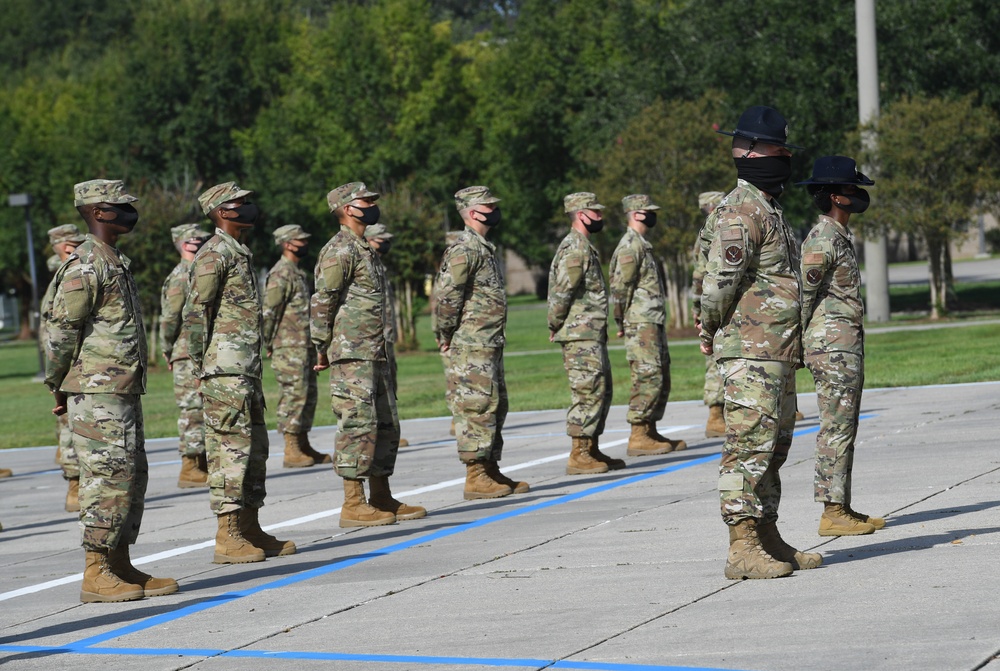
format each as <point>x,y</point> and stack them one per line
<point>24,200</point>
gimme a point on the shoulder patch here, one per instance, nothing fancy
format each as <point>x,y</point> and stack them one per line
<point>574,261</point>
<point>459,260</point>
<point>332,260</point>
<point>731,233</point>
<point>814,276</point>
<point>626,259</point>
<point>75,284</point>
<point>813,258</point>
<point>206,268</point>
<point>173,291</point>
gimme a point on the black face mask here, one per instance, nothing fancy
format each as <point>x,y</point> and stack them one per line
<point>650,219</point>
<point>859,201</point>
<point>247,213</point>
<point>593,225</point>
<point>767,173</point>
<point>125,215</point>
<point>369,215</point>
<point>491,219</point>
<point>298,252</point>
<point>383,247</point>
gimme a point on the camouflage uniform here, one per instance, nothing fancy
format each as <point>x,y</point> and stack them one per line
<point>96,355</point>
<point>750,314</point>
<point>347,314</point>
<point>286,336</point>
<point>578,316</point>
<point>470,315</point>
<point>833,349</point>
<point>222,325</point>
<point>637,297</point>
<point>379,232</point>
<point>712,394</point>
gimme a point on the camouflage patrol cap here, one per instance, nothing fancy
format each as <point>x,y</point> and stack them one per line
<point>188,232</point>
<point>101,191</point>
<point>65,233</point>
<point>289,232</point>
<point>53,263</point>
<point>219,194</point>
<point>474,195</point>
<point>638,201</point>
<point>710,199</point>
<point>342,195</point>
<point>377,232</point>
<point>581,201</point>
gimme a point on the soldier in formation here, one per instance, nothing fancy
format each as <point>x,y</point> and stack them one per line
<point>187,239</point>
<point>638,299</point>
<point>833,339</point>
<point>713,394</point>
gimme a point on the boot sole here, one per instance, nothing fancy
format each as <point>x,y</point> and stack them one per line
<point>741,575</point>
<point>93,597</point>
<point>289,464</point>
<point>649,453</point>
<point>585,471</point>
<point>163,591</point>
<point>72,509</point>
<point>845,533</point>
<point>190,484</point>
<point>714,434</point>
<point>350,524</point>
<point>412,516</point>
<point>475,496</point>
<point>226,559</point>
<point>281,553</point>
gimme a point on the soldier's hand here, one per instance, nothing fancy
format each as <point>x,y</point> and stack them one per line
<point>552,336</point>
<point>621,334</point>
<point>270,353</point>
<point>322,362</point>
<point>60,399</point>
<point>706,349</point>
<point>444,347</point>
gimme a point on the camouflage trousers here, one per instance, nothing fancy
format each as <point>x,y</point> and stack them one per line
<point>390,358</point>
<point>649,365</point>
<point>839,379</point>
<point>111,446</point>
<point>367,423</point>
<point>235,442</point>
<point>714,393</point>
<point>68,460</point>
<point>191,422</point>
<point>478,402</point>
<point>589,371</point>
<point>293,369</point>
<point>760,420</point>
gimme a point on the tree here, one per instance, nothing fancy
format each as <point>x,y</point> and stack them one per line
<point>671,152</point>
<point>935,166</point>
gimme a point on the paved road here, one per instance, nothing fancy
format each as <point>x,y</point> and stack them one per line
<point>977,270</point>
<point>620,571</point>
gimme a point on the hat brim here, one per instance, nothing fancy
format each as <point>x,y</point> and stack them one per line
<point>643,208</point>
<point>863,181</point>
<point>242,193</point>
<point>124,198</point>
<point>365,194</point>
<point>761,138</point>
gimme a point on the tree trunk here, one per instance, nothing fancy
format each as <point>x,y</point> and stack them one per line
<point>934,259</point>
<point>407,320</point>
<point>950,295</point>
<point>22,288</point>
<point>677,288</point>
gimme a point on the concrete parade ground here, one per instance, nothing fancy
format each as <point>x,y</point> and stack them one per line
<point>621,571</point>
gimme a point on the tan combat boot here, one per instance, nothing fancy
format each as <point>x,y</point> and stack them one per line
<point>836,521</point>
<point>479,484</point>
<point>595,452</point>
<point>230,545</point>
<point>308,449</point>
<point>6,472</point>
<point>250,528</point>
<point>493,470</point>
<point>191,474</point>
<point>580,460</point>
<point>877,522</point>
<point>357,512</point>
<point>73,495</point>
<point>451,431</point>
<point>403,442</point>
<point>716,426</point>
<point>294,456</point>
<point>642,443</point>
<point>776,546</point>
<point>122,566</point>
<point>101,585</point>
<point>747,557</point>
<point>799,416</point>
<point>381,498</point>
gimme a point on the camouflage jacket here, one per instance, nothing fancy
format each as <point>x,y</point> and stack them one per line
<point>390,305</point>
<point>832,311</point>
<point>347,311</point>
<point>470,297</point>
<point>750,305</point>
<point>701,247</point>
<point>172,297</point>
<point>96,341</point>
<point>637,291</point>
<point>45,311</point>
<point>578,295</point>
<point>286,307</point>
<point>222,314</point>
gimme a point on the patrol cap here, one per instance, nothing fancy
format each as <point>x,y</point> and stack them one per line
<point>581,201</point>
<point>53,263</point>
<point>710,198</point>
<point>377,232</point>
<point>219,194</point>
<point>474,195</point>
<point>342,195</point>
<point>179,234</point>
<point>638,201</point>
<point>762,124</point>
<point>289,232</point>
<point>65,233</point>
<point>835,170</point>
<point>101,191</point>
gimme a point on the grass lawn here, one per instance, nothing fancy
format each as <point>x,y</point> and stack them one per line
<point>535,376</point>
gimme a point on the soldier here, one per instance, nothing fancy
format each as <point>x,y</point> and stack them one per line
<point>578,321</point>
<point>222,324</point>
<point>380,240</point>
<point>833,338</point>
<point>63,240</point>
<point>638,298</point>
<point>713,393</point>
<point>286,339</point>
<point>347,326</point>
<point>750,321</point>
<point>96,369</point>
<point>471,314</point>
<point>187,239</point>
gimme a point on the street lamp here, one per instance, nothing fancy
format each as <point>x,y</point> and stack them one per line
<point>24,200</point>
